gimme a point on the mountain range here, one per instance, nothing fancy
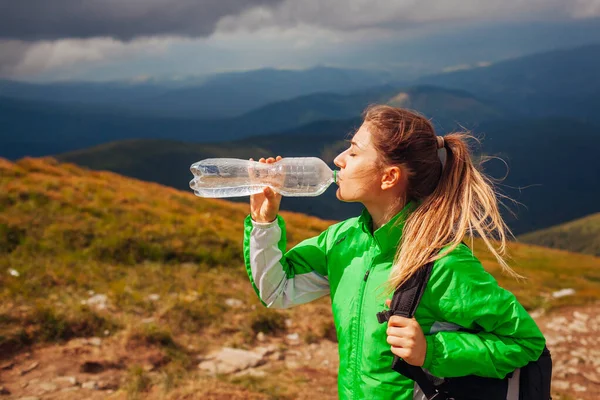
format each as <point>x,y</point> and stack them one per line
<point>222,95</point>
<point>556,83</point>
<point>552,168</point>
<point>42,128</point>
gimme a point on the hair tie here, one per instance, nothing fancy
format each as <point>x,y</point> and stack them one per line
<point>440,142</point>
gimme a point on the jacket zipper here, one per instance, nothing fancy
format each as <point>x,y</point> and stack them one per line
<point>358,340</point>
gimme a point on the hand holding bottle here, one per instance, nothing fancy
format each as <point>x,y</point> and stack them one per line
<point>264,206</point>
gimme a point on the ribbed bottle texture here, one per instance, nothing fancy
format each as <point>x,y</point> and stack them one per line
<point>232,177</point>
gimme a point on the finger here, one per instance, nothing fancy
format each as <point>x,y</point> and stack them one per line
<point>268,192</point>
<point>388,302</point>
<point>278,158</point>
<point>401,352</point>
<point>396,320</point>
<point>270,160</point>
<point>400,332</point>
<point>400,342</point>
<point>262,160</point>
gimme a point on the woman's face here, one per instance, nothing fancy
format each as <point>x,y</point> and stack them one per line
<point>359,176</point>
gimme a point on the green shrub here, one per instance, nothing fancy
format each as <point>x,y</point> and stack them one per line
<point>10,237</point>
<point>151,334</point>
<point>328,332</point>
<point>51,326</point>
<point>194,316</point>
<point>127,250</point>
<point>267,321</point>
<point>13,340</point>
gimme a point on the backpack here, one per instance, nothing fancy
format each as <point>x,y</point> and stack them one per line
<point>531,382</point>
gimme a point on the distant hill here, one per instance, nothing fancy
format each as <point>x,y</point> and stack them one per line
<point>99,94</point>
<point>555,83</point>
<point>34,128</point>
<point>552,170</point>
<point>42,128</point>
<point>582,236</point>
<point>447,108</point>
<point>168,162</point>
<point>162,161</point>
<point>218,96</point>
<point>236,93</point>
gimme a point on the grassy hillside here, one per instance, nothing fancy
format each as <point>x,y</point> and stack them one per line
<point>168,263</point>
<point>582,235</point>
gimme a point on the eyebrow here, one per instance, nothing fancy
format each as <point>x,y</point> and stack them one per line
<point>355,144</point>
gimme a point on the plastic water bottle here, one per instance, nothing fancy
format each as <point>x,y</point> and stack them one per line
<point>232,177</point>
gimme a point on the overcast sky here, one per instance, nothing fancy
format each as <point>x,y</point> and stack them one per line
<point>111,39</point>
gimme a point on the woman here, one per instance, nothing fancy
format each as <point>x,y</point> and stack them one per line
<point>416,211</point>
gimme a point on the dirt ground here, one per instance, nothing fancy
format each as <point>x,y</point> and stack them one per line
<point>100,368</point>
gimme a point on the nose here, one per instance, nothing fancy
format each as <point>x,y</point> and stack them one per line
<point>338,161</point>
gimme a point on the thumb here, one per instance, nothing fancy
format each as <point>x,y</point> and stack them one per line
<point>388,302</point>
<point>268,192</point>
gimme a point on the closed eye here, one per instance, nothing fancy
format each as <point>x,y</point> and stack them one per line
<point>351,144</point>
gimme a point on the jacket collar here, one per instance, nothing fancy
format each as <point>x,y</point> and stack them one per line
<point>388,236</point>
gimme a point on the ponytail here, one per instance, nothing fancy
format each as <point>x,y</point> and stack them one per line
<point>455,200</point>
<point>463,204</point>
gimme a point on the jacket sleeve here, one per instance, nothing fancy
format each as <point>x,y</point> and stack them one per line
<point>284,279</point>
<point>504,337</point>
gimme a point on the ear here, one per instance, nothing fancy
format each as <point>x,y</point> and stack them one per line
<point>391,177</point>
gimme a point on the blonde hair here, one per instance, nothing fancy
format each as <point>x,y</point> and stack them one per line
<point>454,200</point>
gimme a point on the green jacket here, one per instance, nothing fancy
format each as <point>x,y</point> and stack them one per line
<point>351,264</point>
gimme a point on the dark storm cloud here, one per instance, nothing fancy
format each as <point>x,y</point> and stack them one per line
<point>32,20</point>
<point>43,35</point>
<point>11,52</point>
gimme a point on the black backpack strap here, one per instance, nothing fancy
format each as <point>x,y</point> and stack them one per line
<point>418,375</point>
<point>404,303</point>
<point>407,297</point>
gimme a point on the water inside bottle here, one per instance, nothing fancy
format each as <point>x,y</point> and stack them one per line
<point>301,176</point>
